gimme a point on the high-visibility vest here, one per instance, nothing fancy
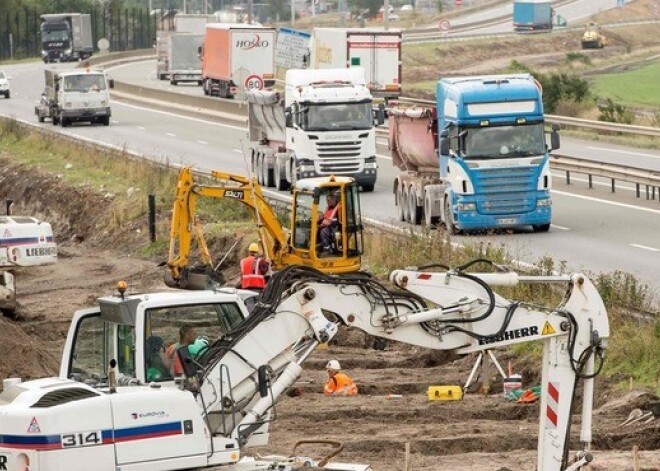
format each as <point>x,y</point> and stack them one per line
<point>331,213</point>
<point>250,276</point>
<point>340,383</point>
<point>176,368</point>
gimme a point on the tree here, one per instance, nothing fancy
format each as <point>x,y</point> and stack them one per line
<point>371,6</point>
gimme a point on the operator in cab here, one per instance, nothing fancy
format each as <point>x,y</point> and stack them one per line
<point>339,384</point>
<point>187,337</point>
<point>329,223</point>
<point>254,269</point>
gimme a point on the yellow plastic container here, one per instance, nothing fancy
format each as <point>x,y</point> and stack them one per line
<point>445,393</point>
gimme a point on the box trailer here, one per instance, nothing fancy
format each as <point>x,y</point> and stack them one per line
<point>184,63</point>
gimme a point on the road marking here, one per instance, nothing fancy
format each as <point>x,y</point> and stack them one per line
<point>114,122</point>
<point>611,203</point>
<point>385,157</point>
<point>645,247</point>
<point>627,152</point>
<point>238,151</point>
<point>561,228</point>
<point>176,115</point>
<point>199,141</point>
<point>171,134</point>
<point>141,128</point>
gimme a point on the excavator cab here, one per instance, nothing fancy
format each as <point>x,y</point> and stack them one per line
<point>593,38</point>
<point>336,245</point>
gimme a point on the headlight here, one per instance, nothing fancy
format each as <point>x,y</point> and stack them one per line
<point>371,165</point>
<point>69,51</point>
<point>544,202</point>
<point>466,207</point>
<point>306,168</point>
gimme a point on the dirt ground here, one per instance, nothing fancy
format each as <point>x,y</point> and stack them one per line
<point>478,433</point>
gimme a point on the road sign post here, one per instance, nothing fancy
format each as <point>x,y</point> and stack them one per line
<point>254,82</point>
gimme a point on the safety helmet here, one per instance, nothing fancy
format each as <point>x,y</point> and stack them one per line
<point>254,247</point>
<point>333,365</point>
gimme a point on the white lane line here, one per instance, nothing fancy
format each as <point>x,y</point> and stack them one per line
<point>561,228</point>
<point>141,128</point>
<point>627,152</point>
<point>171,134</point>
<point>199,141</point>
<point>238,151</point>
<point>645,247</point>
<point>114,121</point>
<point>611,203</point>
<point>176,115</point>
<point>384,157</point>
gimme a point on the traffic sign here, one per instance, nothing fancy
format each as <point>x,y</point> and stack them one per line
<point>444,25</point>
<point>254,82</point>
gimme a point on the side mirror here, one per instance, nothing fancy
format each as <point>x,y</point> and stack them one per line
<point>554,140</point>
<point>380,115</point>
<point>111,83</point>
<point>444,146</point>
<point>288,117</point>
<point>57,87</point>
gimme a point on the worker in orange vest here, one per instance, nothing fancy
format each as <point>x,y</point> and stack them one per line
<point>339,384</point>
<point>254,268</point>
<point>329,222</point>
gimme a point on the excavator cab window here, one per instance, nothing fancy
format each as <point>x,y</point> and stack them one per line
<point>302,224</point>
<point>353,226</point>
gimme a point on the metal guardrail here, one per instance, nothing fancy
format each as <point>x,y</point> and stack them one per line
<point>604,126</point>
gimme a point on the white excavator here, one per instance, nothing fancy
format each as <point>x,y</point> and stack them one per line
<point>24,242</point>
<point>104,411</point>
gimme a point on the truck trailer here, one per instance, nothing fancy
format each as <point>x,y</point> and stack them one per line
<point>75,96</point>
<point>66,37</point>
<point>376,50</point>
<point>478,159</point>
<point>532,15</point>
<point>324,125</point>
<point>184,63</point>
<point>183,23</point>
<point>237,57</point>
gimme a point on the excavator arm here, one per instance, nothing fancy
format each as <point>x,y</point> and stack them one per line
<point>244,373</point>
<point>185,225</point>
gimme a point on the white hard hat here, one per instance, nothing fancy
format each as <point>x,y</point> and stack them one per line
<point>333,365</point>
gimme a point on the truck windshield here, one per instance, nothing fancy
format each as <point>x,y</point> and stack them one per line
<point>501,142</point>
<point>54,35</point>
<point>84,83</point>
<point>337,116</point>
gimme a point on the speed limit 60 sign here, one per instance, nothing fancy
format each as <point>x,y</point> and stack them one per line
<point>254,82</point>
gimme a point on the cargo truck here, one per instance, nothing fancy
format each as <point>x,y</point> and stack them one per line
<point>237,57</point>
<point>376,50</point>
<point>324,125</point>
<point>532,15</point>
<point>183,23</point>
<point>184,63</point>
<point>477,159</point>
<point>75,96</point>
<point>66,37</point>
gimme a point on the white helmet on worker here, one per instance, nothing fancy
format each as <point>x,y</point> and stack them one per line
<point>333,365</point>
<point>254,247</point>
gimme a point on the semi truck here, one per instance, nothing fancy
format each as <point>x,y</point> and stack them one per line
<point>237,57</point>
<point>322,126</point>
<point>75,96</point>
<point>183,63</point>
<point>66,37</point>
<point>477,158</point>
<point>376,50</point>
<point>532,15</point>
<point>183,23</point>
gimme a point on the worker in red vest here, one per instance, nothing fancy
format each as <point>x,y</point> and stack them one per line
<point>329,222</point>
<point>254,268</point>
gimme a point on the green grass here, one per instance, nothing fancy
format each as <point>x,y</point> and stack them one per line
<point>637,87</point>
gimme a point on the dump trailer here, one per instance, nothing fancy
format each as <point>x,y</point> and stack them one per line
<point>184,63</point>
<point>66,37</point>
<point>477,159</point>
<point>376,50</point>
<point>322,126</point>
<point>74,96</point>
<point>183,23</point>
<point>532,15</point>
<point>237,57</point>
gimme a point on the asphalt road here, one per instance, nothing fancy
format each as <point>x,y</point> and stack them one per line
<point>592,229</point>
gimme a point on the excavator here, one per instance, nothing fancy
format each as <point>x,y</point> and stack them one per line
<point>283,247</point>
<point>104,409</point>
<point>593,38</point>
<point>24,242</point>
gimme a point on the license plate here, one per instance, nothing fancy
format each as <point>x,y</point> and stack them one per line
<point>507,221</point>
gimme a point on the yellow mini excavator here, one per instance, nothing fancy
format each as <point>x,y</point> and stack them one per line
<point>297,245</point>
<point>593,38</point>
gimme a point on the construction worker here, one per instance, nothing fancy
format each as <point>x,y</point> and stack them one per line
<point>339,384</point>
<point>329,222</point>
<point>187,337</point>
<point>254,269</point>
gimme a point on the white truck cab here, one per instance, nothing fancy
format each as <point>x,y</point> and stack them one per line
<point>4,84</point>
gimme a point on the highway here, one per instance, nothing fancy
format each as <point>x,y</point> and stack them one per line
<point>592,229</point>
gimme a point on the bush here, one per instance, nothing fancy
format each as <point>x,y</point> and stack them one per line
<point>577,57</point>
<point>615,113</point>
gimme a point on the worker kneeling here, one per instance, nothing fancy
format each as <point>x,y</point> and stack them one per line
<point>339,384</point>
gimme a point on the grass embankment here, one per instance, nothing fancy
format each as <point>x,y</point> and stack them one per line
<point>634,347</point>
<point>635,87</point>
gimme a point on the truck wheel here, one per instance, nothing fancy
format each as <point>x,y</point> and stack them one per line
<point>41,119</point>
<point>55,120</point>
<point>64,122</point>
<point>105,120</point>
<point>541,227</point>
<point>280,183</point>
<point>294,174</point>
<point>414,210</point>
<point>449,220</point>
<point>267,173</point>
<point>400,203</point>
<point>8,95</point>
<point>173,82</point>
<point>258,169</point>
<point>428,219</point>
<point>368,188</point>
<point>403,202</point>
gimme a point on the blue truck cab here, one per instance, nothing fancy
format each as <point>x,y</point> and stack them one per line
<point>493,153</point>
